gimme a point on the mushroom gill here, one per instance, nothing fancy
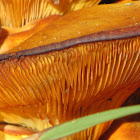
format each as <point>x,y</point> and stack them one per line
<point>20,19</point>
<point>127,128</point>
<point>16,13</point>
<point>76,66</point>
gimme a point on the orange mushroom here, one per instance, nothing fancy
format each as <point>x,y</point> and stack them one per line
<point>80,64</point>
<point>17,13</point>
<point>127,128</point>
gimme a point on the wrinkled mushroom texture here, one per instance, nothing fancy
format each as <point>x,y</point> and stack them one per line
<point>63,85</point>
<point>79,23</point>
<point>72,25</point>
<point>16,13</point>
<point>82,70</point>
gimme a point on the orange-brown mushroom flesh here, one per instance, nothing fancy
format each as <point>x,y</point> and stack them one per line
<point>17,13</point>
<point>127,128</point>
<point>45,86</point>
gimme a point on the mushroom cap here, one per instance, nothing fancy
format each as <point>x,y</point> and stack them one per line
<point>76,66</point>
<point>76,24</point>
<point>127,128</point>
<point>11,37</point>
<point>17,13</point>
<point>11,132</point>
<point>28,14</point>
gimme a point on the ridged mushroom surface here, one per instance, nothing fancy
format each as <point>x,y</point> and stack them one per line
<point>73,70</point>
<point>17,13</point>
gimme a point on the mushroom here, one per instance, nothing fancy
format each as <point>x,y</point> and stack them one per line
<point>11,37</point>
<point>17,13</point>
<point>78,65</point>
<point>127,128</point>
<point>28,14</point>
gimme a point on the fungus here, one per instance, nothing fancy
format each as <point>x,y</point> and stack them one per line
<point>16,13</point>
<point>71,68</point>
<point>11,37</point>
<point>127,128</point>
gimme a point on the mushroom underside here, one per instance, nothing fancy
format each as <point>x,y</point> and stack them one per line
<point>74,67</point>
<point>48,89</point>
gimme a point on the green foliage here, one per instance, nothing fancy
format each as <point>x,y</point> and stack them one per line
<point>80,124</point>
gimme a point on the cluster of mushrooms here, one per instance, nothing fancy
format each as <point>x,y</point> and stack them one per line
<point>64,59</point>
